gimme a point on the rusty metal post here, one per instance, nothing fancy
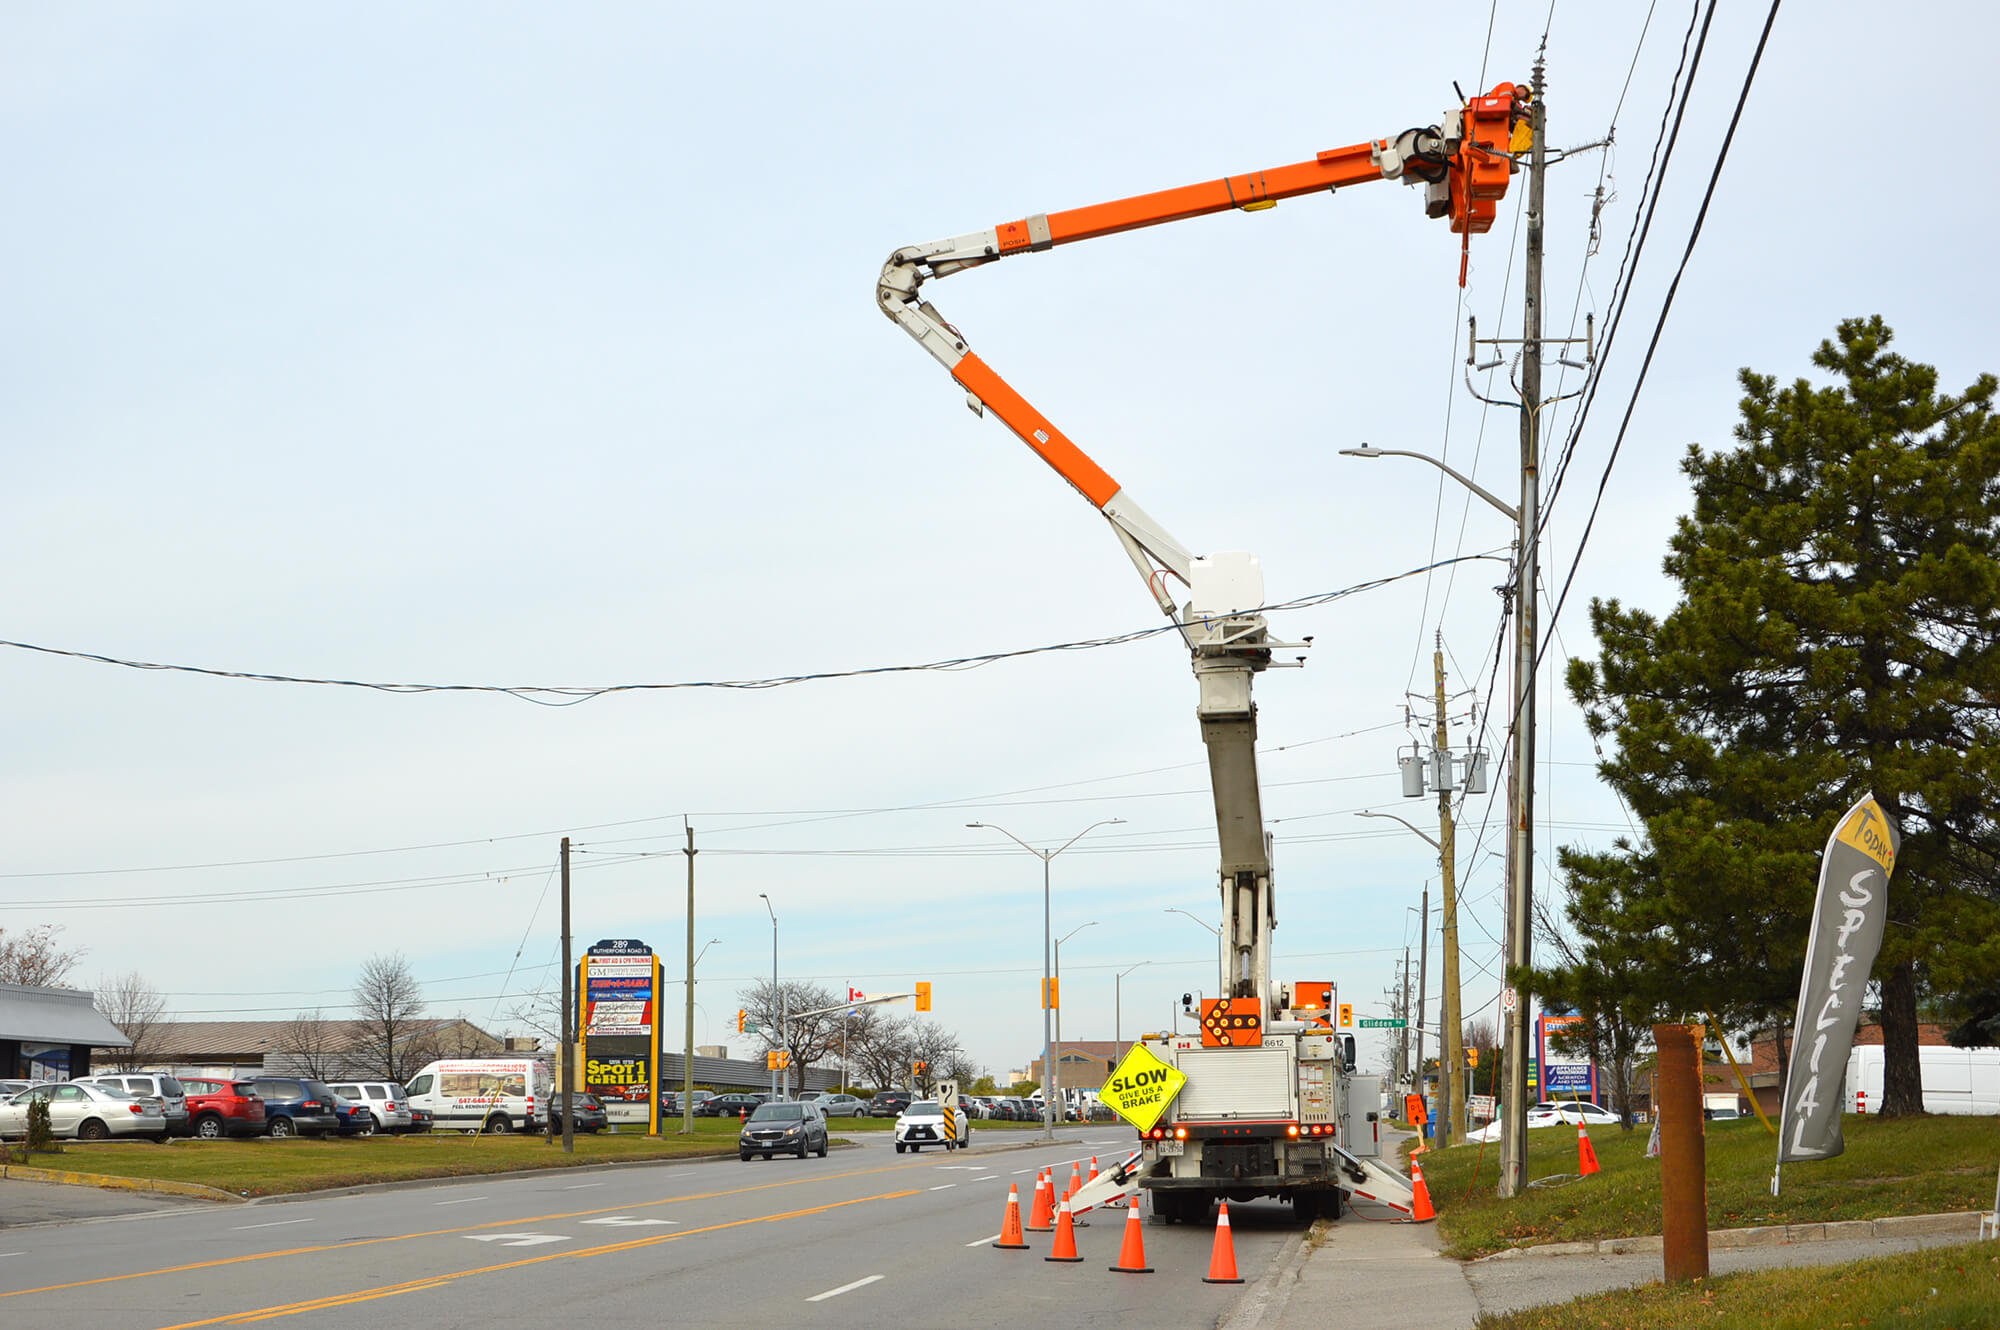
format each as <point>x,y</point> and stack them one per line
<point>1683,1161</point>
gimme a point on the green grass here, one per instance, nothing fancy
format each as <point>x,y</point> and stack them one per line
<point>1891,1167</point>
<point>269,1168</point>
<point>266,1167</point>
<point>1939,1288</point>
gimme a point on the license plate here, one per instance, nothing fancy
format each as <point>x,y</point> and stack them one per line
<point>1171,1149</point>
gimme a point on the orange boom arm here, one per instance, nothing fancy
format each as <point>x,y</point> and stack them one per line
<point>1464,167</point>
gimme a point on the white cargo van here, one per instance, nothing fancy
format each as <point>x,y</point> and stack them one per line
<point>482,1094</point>
<point>1960,1081</point>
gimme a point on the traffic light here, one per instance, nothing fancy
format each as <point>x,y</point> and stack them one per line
<point>777,1058</point>
<point>742,1019</point>
<point>1472,1057</point>
<point>918,1068</point>
<point>1346,1015</point>
<point>1051,994</point>
<point>923,995</point>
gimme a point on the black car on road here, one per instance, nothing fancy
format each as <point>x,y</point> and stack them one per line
<point>788,1128</point>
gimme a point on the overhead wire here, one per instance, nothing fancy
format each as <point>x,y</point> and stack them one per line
<point>1667,304</point>
<point>571,694</point>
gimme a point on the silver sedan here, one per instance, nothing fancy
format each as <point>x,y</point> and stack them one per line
<point>86,1112</point>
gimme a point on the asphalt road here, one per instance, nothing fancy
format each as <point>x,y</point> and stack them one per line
<point>864,1235</point>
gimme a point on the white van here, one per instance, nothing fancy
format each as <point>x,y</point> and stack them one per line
<point>1960,1081</point>
<point>482,1094</point>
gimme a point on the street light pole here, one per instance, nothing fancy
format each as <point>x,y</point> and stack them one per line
<point>1451,1099</point>
<point>1118,1003</point>
<point>1048,957</point>
<point>1221,970</point>
<point>774,985</point>
<point>1055,1078</point>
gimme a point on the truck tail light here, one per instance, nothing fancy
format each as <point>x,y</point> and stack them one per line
<point>1180,1133</point>
<point>1292,1129</point>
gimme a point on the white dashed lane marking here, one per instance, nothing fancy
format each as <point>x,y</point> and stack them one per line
<point>844,1288</point>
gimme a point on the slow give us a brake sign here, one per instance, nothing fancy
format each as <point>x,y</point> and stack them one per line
<point>1141,1088</point>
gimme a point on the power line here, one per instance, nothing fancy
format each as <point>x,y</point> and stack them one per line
<point>1666,306</point>
<point>562,695</point>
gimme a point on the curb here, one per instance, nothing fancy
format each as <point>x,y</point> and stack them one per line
<point>1770,1235</point>
<point>159,1186</point>
<point>1266,1299</point>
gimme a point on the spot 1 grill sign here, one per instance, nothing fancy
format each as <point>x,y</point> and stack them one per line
<point>1141,1088</point>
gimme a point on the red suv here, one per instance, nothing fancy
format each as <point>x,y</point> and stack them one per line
<point>223,1108</point>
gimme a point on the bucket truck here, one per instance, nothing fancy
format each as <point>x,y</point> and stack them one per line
<point>1261,1111</point>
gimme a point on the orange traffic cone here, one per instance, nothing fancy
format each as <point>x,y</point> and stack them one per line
<point>1586,1153</point>
<point>1422,1209</point>
<point>1010,1227</point>
<point>1132,1256</point>
<point>1222,1261</point>
<point>1075,1181</point>
<point>1039,1219</point>
<point>1093,1168</point>
<point>1065,1248</point>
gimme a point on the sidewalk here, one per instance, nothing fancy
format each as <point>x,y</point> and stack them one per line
<point>1385,1276</point>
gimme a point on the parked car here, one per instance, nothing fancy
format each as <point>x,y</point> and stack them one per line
<point>1550,1113</point>
<point>167,1089</point>
<point>842,1106</point>
<point>730,1105</point>
<point>8,1089</point>
<point>420,1118</point>
<point>223,1108</point>
<point>590,1114</point>
<point>793,1128</point>
<point>295,1106</point>
<point>888,1103</point>
<point>385,1103</point>
<point>86,1111</point>
<point>670,1102</point>
<point>923,1123</point>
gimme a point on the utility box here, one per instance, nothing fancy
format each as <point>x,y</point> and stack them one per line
<point>1441,770</point>
<point>1475,771</point>
<point>1231,582</point>
<point>1412,767</point>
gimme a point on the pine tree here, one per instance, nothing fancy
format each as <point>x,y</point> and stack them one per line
<point>1838,632</point>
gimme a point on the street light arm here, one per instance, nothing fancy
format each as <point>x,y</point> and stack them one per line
<point>1175,909</point>
<point>988,826</point>
<point>1419,830</point>
<point>1107,822</point>
<point>1367,450</point>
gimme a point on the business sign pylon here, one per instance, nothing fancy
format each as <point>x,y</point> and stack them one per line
<point>1849,911</point>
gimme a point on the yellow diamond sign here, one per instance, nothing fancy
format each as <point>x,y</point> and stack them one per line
<point>1141,1088</point>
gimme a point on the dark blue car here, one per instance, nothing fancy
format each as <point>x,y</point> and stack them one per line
<point>294,1106</point>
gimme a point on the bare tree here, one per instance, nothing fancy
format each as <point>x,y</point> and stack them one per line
<point>811,1039</point>
<point>135,1007</point>
<point>388,1001</point>
<point>313,1046</point>
<point>879,1047</point>
<point>33,957</point>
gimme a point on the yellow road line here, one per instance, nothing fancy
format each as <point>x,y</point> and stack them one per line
<point>448,1232</point>
<point>438,1281</point>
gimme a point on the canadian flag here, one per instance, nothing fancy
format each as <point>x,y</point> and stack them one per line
<point>855,994</point>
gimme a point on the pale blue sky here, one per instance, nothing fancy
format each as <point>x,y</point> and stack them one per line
<point>500,344</point>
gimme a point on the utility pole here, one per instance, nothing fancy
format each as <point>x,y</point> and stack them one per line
<point>687,1060</point>
<point>566,1053</point>
<point>1451,1102</point>
<point>1521,841</point>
